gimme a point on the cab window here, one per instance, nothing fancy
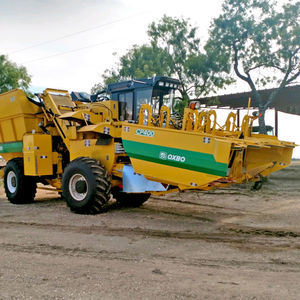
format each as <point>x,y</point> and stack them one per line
<point>126,106</point>
<point>142,97</point>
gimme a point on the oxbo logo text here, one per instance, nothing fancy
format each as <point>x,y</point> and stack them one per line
<point>145,132</point>
<point>172,157</point>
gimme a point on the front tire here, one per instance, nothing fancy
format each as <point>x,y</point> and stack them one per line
<point>19,188</point>
<point>86,186</point>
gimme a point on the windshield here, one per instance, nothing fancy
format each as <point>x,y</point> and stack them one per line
<point>131,102</point>
<point>142,97</point>
<point>162,97</point>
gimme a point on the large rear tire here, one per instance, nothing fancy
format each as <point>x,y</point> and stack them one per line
<point>19,189</point>
<point>86,186</point>
<point>131,199</point>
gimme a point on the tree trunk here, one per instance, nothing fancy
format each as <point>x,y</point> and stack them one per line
<point>184,95</point>
<point>261,120</point>
<point>261,110</point>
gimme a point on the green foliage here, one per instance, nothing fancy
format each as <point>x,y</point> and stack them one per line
<point>173,50</point>
<point>139,62</point>
<point>199,72</point>
<point>207,72</point>
<point>178,39</point>
<point>145,61</point>
<point>12,76</point>
<point>180,105</point>
<point>97,88</point>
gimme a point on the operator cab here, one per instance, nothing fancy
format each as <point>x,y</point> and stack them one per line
<point>156,91</point>
<point>80,96</point>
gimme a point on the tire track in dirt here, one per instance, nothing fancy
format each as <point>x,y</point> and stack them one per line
<point>241,237</point>
<point>246,230</point>
<point>274,265</point>
<point>202,204</point>
<point>117,231</point>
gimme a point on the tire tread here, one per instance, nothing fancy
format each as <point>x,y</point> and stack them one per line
<point>102,189</point>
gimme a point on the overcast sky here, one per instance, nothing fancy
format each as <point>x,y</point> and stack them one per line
<point>69,43</point>
<point>118,24</point>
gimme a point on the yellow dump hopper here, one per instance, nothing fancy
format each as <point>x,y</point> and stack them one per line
<point>17,117</point>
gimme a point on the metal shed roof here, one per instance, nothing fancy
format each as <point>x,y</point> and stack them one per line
<point>288,100</point>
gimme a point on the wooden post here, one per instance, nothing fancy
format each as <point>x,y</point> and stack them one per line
<point>276,122</point>
<point>238,118</point>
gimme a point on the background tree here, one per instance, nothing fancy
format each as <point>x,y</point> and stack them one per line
<point>173,50</point>
<point>12,76</point>
<point>195,69</point>
<point>262,42</point>
<point>139,62</point>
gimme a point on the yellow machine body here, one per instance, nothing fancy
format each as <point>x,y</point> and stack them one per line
<point>176,157</point>
<point>37,151</point>
<point>202,155</point>
<point>17,116</point>
<point>198,154</point>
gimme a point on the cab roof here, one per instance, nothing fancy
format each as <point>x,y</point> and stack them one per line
<point>159,81</point>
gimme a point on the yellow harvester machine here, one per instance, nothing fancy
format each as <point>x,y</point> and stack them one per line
<point>86,153</point>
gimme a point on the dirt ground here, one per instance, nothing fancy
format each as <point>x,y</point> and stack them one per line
<point>224,244</point>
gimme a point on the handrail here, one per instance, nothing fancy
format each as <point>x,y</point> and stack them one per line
<point>208,127</point>
<point>230,122</point>
<point>148,108</point>
<point>202,119</point>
